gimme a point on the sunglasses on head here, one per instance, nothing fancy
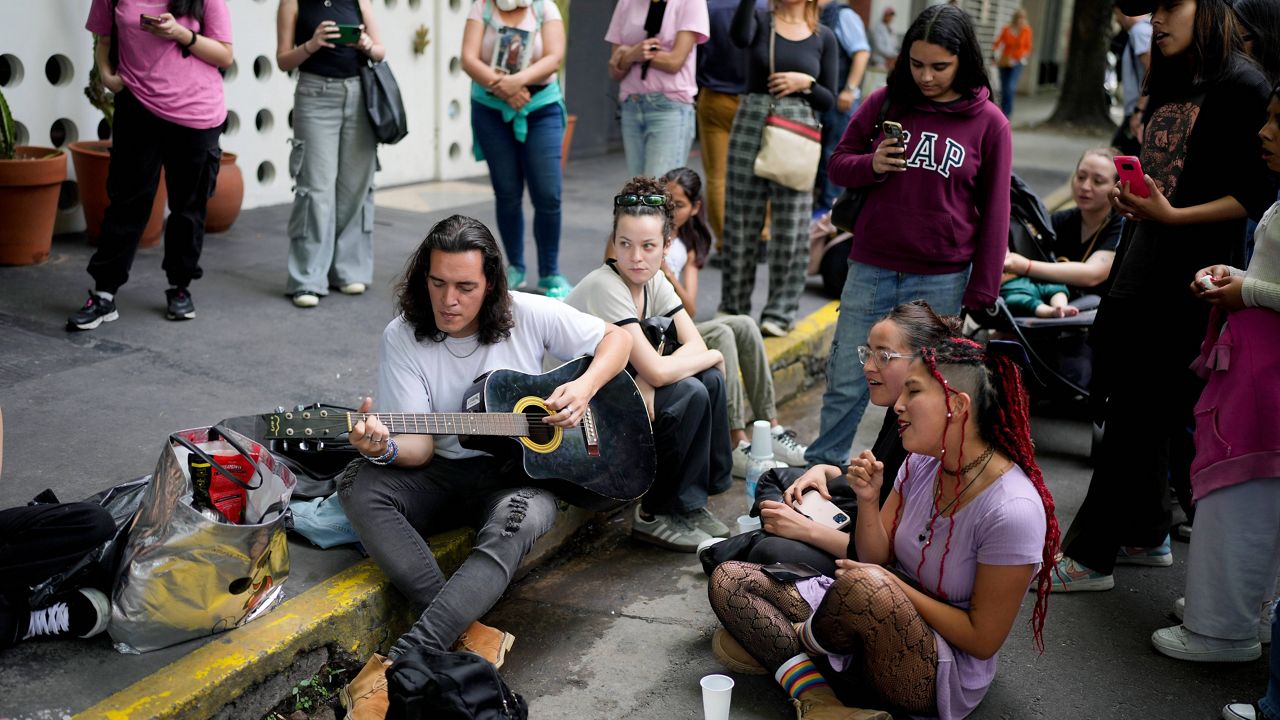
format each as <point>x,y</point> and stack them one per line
<point>632,199</point>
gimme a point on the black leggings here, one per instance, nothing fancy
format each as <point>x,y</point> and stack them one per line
<point>864,614</point>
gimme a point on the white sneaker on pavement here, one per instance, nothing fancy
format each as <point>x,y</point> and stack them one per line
<point>1180,643</point>
<point>786,448</point>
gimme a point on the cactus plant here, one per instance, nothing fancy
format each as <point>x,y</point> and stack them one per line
<point>8,133</point>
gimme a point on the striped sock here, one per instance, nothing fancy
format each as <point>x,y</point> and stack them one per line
<point>808,640</point>
<point>799,675</point>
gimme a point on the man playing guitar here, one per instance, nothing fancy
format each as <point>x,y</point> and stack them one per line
<point>457,322</point>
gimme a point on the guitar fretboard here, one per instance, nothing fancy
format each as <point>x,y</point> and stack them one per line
<point>503,424</point>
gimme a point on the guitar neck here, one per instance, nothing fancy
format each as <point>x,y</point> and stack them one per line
<point>498,424</point>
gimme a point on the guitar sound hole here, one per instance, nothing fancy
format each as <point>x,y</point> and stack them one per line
<point>539,432</point>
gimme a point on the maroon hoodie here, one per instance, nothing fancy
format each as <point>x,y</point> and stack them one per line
<point>950,208</point>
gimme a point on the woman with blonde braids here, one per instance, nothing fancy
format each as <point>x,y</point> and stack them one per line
<point>917,624</point>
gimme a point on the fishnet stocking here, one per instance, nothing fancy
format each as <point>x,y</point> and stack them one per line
<point>758,611</point>
<point>866,614</point>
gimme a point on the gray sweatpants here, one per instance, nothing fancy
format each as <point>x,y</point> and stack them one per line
<point>746,368</point>
<point>332,163</point>
<point>395,510</point>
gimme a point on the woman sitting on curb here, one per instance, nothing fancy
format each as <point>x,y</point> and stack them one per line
<point>907,633</point>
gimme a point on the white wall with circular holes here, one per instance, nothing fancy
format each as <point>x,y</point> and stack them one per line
<point>44,67</point>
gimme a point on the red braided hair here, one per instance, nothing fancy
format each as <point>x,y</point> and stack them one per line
<point>1004,421</point>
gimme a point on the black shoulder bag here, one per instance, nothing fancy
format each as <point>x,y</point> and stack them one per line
<point>426,684</point>
<point>382,100</point>
<point>847,207</point>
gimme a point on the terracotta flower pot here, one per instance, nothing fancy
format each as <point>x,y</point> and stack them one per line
<point>91,158</point>
<point>228,195</point>
<point>29,188</point>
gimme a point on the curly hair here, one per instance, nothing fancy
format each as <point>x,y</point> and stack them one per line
<point>947,27</point>
<point>456,234</point>
<point>695,233</point>
<point>994,382</point>
<point>646,186</point>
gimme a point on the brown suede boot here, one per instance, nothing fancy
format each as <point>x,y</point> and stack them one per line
<point>820,703</point>
<point>489,643</point>
<point>733,656</point>
<point>365,697</point>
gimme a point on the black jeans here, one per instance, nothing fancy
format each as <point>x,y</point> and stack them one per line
<point>691,437</point>
<point>143,143</point>
<point>1142,354</point>
<point>37,542</point>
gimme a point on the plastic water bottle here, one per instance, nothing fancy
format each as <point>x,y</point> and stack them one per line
<point>761,458</point>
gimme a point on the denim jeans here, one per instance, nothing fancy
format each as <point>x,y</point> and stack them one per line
<point>332,164</point>
<point>834,123</point>
<point>657,133</point>
<point>513,165</point>
<point>394,510</point>
<point>1270,703</point>
<point>869,294</point>
<point>1009,86</point>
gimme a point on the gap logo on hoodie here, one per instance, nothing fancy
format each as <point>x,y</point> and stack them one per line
<point>938,154</point>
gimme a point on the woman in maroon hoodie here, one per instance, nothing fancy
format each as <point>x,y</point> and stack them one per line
<point>935,226</point>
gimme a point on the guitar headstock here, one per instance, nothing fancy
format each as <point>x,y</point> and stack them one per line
<point>308,423</point>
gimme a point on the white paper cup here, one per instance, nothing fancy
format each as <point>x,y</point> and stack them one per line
<point>746,524</point>
<point>716,691</point>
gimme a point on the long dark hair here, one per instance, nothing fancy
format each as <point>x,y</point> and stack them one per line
<point>921,325</point>
<point>696,233</point>
<point>187,8</point>
<point>948,27</point>
<point>1216,45</point>
<point>994,382</point>
<point>1260,20</point>
<point>456,234</point>
<point>646,186</point>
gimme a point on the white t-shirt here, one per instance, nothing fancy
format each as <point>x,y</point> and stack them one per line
<point>431,376</point>
<point>530,23</point>
<point>605,294</point>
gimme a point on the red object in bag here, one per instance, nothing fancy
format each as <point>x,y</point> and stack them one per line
<point>227,495</point>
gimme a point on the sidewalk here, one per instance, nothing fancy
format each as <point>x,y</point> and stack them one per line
<point>89,410</point>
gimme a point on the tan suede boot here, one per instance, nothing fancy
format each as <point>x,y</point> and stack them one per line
<point>733,656</point>
<point>489,643</point>
<point>365,697</point>
<point>820,703</point>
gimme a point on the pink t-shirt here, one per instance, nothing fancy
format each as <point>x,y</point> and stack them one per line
<point>185,91</point>
<point>627,28</point>
<point>549,13</point>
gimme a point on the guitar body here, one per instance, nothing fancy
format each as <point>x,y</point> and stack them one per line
<point>606,460</point>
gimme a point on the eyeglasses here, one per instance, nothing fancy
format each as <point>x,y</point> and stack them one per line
<point>881,357</point>
<point>631,200</point>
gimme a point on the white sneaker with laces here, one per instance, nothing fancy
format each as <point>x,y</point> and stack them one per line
<point>1239,711</point>
<point>668,531</point>
<point>742,460</point>
<point>786,448</point>
<point>1180,643</point>
<point>1264,617</point>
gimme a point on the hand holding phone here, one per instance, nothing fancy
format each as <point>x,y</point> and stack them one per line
<point>348,34</point>
<point>893,131</point>
<point>1130,170</point>
<point>888,155</point>
<point>144,20</point>
<point>822,511</point>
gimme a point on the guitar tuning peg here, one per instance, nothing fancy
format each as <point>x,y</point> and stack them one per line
<point>320,445</point>
<point>279,408</point>
<point>300,407</point>
<point>302,445</point>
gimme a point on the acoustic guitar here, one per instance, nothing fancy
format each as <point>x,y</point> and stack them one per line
<point>606,459</point>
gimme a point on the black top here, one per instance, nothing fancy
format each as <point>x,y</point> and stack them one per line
<point>815,56</point>
<point>1069,246</point>
<point>341,61</point>
<point>1199,146</point>
<point>722,66</point>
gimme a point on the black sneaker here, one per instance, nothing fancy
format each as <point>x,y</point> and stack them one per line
<point>96,311</point>
<point>83,613</point>
<point>181,307</point>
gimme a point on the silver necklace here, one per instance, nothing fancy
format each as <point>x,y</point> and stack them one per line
<point>465,355</point>
<point>985,459</point>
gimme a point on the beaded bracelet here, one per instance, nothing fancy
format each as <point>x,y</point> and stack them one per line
<point>388,457</point>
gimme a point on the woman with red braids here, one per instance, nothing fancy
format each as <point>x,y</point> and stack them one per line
<point>916,626</point>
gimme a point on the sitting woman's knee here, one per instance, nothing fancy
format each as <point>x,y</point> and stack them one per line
<point>856,587</point>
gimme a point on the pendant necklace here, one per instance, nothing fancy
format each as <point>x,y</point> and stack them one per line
<point>984,459</point>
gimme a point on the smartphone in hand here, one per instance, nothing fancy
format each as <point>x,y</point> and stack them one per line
<point>1130,171</point>
<point>822,511</point>
<point>347,35</point>
<point>893,131</point>
<point>146,20</point>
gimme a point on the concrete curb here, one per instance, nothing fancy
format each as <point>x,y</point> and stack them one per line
<point>243,673</point>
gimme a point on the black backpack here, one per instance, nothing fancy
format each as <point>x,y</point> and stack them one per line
<point>425,684</point>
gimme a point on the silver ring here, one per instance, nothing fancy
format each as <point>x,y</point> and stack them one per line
<point>368,436</point>
<point>569,409</point>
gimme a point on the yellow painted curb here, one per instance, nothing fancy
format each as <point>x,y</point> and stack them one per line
<point>355,609</point>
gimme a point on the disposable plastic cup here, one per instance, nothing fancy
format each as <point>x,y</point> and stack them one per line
<point>746,524</point>
<point>716,691</point>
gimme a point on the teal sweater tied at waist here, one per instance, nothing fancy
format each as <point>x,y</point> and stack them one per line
<point>519,119</point>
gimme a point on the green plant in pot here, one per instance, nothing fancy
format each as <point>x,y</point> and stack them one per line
<point>30,181</point>
<point>92,158</point>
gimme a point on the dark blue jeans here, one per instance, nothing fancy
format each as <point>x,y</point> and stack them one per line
<point>834,123</point>
<point>1008,86</point>
<point>513,165</point>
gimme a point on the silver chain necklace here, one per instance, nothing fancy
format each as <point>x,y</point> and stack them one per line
<point>466,355</point>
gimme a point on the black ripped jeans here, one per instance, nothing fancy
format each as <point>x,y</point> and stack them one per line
<point>395,510</point>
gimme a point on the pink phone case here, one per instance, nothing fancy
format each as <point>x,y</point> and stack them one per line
<point>1130,170</point>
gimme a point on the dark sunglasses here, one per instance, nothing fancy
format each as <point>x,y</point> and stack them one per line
<point>631,200</point>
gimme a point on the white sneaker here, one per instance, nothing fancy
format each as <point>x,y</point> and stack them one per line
<point>1239,711</point>
<point>742,460</point>
<point>1264,618</point>
<point>668,531</point>
<point>786,448</point>
<point>772,328</point>
<point>356,288</point>
<point>306,299</point>
<point>1180,643</point>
